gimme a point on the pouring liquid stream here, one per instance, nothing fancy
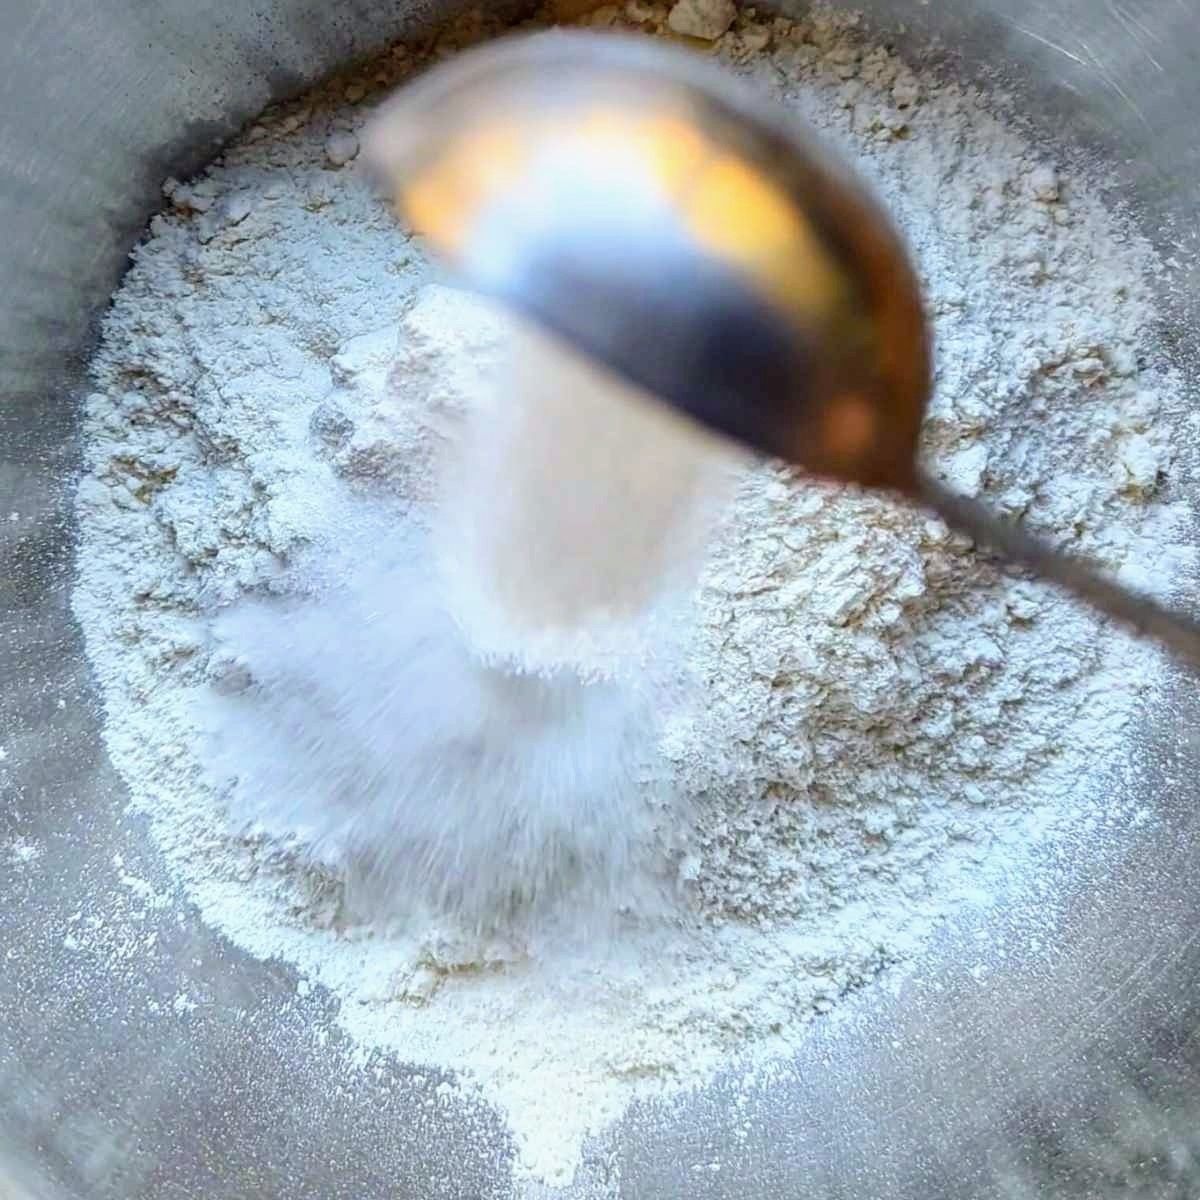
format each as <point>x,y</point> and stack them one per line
<point>574,512</point>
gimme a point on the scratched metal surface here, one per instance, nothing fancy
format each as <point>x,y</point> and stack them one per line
<point>1054,1052</point>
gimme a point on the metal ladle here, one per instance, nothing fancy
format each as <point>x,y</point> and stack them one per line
<point>633,200</point>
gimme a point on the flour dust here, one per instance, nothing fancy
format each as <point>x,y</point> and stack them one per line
<point>849,722</point>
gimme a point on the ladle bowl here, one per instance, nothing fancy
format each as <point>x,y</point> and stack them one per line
<point>1055,1050</point>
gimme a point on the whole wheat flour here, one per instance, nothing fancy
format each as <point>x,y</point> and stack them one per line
<point>876,716</point>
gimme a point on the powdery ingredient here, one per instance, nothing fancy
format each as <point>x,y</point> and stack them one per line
<point>878,716</point>
<point>707,19</point>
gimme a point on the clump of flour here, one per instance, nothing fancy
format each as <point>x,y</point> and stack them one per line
<point>870,716</point>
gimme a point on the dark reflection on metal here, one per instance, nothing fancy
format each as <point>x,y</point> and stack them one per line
<point>1071,1070</point>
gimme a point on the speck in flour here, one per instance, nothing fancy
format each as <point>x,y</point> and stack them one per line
<point>876,714</point>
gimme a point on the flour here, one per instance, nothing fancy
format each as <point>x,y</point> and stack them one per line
<point>874,719</point>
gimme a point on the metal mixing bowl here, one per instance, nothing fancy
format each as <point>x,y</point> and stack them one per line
<point>1054,1053</point>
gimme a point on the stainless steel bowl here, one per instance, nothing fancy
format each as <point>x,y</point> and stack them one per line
<point>151,1059</point>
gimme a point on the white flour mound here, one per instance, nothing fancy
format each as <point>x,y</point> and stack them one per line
<point>877,715</point>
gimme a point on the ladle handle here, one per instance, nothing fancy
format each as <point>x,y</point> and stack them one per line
<point>1178,632</point>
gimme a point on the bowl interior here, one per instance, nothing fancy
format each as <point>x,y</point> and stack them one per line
<point>161,1062</point>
